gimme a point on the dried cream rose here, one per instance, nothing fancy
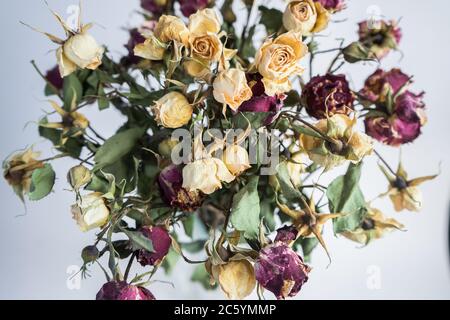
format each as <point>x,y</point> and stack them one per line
<point>204,21</point>
<point>18,169</point>
<point>237,279</point>
<point>295,168</point>
<point>80,50</point>
<point>151,49</point>
<point>170,28</point>
<point>409,199</point>
<point>206,175</point>
<point>204,42</point>
<point>305,16</point>
<point>90,212</point>
<point>236,159</point>
<point>173,110</point>
<point>349,144</point>
<point>231,88</point>
<point>278,59</point>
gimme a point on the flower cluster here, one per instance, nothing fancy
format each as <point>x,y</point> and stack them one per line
<point>225,132</point>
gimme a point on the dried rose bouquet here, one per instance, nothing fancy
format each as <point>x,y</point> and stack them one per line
<point>225,143</point>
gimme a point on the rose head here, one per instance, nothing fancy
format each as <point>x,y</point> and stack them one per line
<point>286,234</point>
<point>261,102</point>
<point>380,82</point>
<point>170,181</point>
<point>120,290</point>
<point>403,125</point>
<point>280,270</point>
<point>153,6</point>
<point>161,242</point>
<point>332,5</point>
<point>380,36</point>
<point>328,95</point>
<point>189,7</point>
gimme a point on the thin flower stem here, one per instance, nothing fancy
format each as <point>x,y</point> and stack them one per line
<point>330,68</point>
<point>130,263</point>
<point>55,90</point>
<point>96,133</point>
<point>385,163</point>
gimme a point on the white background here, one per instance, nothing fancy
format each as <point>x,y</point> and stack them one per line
<point>37,249</point>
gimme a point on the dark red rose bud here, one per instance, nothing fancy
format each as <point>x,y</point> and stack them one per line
<point>380,36</point>
<point>170,181</point>
<point>189,7</point>
<point>161,244</point>
<point>54,77</point>
<point>152,6</point>
<point>332,5</point>
<point>286,234</point>
<point>280,270</point>
<point>120,290</point>
<point>135,293</point>
<point>328,95</point>
<point>260,102</point>
<point>403,125</point>
<point>135,39</point>
<point>378,84</point>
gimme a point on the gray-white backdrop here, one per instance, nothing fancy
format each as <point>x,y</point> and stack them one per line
<point>38,250</point>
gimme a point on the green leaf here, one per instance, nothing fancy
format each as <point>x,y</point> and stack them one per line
<point>248,49</point>
<point>345,196</point>
<point>201,276</point>
<point>72,88</point>
<point>170,261</point>
<point>306,131</point>
<point>287,188</point>
<point>103,102</point>
<point>272,19</point>
<point>123,248</point>
<point>256,119</point>
<point>245,210</point>
<point>116,147</point>
<point>188,225</point>
<point>139,241</point>
<point>42,181</point>
<point>357,52</point>
<point>267,212</point>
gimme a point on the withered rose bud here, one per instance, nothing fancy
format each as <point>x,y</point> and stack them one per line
<point>120,290</point>
<point>54,78</point>
<point>170,181</point>
<point>380,36</point>
<point>79,176</point>
<point>332,5</point>
<point>261,102</point>
<point>403,125</point>
<point>381,82</point>
<point>153,6</point>
<point>189,7</point>
<point>328,95</point>
<point>280,270</point>
<point>161,242</point>
<point>286,234</point>
<point>90,254</point>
